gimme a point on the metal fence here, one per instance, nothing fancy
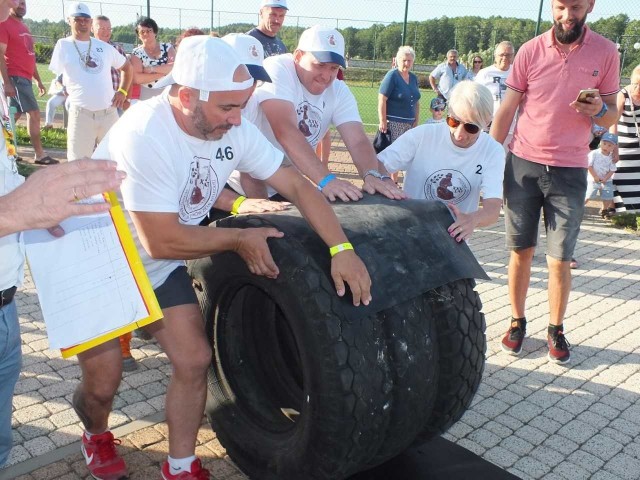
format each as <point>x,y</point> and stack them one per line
<point>372,37</point>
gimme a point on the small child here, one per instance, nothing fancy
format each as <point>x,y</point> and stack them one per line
<point>437,110</point>
<point>601,169</point>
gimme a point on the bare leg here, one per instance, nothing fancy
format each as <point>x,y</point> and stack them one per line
<point>33,127</point>
<point>182,337</point>
<point>559,289</point>
<point>519,278</point>
<point>101,374</point>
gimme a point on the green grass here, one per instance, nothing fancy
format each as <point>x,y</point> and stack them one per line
<point>367,99</point>
<point>51,137</point>
<point>26,169</point>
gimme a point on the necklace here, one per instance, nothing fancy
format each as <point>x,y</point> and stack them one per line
<point>88,57</point>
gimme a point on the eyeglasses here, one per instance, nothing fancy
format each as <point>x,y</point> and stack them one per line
<point>438,109</point>
<point>81,20</point>
<point>471,128</point>
<point>505,55</point>
<point>477,61</point>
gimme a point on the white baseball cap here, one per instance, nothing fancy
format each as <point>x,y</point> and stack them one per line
<point>78,9</point>
<point>207,64</point>
<point>326,44</point>
<point>251,52</point>
<point>274,4</point>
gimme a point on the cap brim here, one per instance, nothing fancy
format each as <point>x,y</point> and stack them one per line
<point>165,81</point>
<point>258,73</point>
<point>329,57</point>
<point>84,15</point>
<point>275,5</point>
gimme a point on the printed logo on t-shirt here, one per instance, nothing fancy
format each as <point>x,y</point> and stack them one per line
<point>91,62</point>
<point>446,185</point>
<point>309,121</point>
<point>200,192</point>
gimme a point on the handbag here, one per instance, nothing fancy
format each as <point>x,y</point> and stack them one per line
<point>381,141</point>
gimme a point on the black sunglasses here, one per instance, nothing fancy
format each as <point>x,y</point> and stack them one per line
<point>477,61</point>
<point>471,128</point>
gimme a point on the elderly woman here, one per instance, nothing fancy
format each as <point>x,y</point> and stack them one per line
<point>152,60</point>
<point>454,161</point>
<point>399,96</point>
<point>627,177</point>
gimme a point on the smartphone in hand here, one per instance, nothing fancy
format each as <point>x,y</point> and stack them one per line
<point>587,93</point>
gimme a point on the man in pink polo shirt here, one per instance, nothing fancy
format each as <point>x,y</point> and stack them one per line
<point>547,162</point>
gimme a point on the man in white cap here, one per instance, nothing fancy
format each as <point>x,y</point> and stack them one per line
<point>178,149</point>
<point>272,14</point>
<point>300,105</point>
<point>85,63</point>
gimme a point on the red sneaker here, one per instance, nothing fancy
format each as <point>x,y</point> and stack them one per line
<point>196,473</point>
<point>558,348</point>
<point>101,456</point>
<point>512,340</point>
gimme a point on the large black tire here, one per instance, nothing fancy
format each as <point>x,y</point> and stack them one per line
<point>295,391</point>
<point>461,347</point>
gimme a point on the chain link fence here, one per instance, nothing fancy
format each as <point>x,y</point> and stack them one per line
<point>433,27</point>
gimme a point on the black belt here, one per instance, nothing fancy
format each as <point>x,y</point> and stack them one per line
<point>6,296</point>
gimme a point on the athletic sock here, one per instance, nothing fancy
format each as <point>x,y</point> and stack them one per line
<point>89,435</point>
<point>553,330</point>
<point>178,465</point>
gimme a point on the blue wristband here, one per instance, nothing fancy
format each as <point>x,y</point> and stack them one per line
<point>602,111</point>
<point>325,180</point>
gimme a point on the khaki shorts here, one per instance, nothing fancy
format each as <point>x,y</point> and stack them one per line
<point>558,192</point>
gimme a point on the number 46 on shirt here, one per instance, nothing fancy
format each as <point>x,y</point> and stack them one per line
<point>226,154</point>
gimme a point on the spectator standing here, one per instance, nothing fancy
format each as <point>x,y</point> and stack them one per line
<point>399,96</point>
<point>627,178</point>
<point>152,60</point>
<point>272,15</point>
<point>85,63</point>
<point>447,75</point>
<point>494,77</point>
<point>18,67</point>
<point>601,170</point>
<point>102,31</point>
<point>476,65</point>
<point>546,166</point>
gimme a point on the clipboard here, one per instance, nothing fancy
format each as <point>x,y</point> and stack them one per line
<point>130,267</point>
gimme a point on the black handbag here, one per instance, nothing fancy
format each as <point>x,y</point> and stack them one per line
<point>381,141</point>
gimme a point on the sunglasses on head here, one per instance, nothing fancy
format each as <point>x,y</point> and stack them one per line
<point>471,128</point>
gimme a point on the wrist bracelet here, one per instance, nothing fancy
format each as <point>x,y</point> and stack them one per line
<point>123,91</point>
<point>236,204</point>
<point>340,248</point>
<point>325,180</point>
<point>602,111</point>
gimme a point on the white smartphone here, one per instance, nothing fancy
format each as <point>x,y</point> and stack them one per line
<point>587,93</point>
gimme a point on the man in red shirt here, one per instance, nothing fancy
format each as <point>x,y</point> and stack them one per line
<point>18,67</point>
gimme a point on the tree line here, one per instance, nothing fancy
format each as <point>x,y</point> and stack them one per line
<point>431,39</point>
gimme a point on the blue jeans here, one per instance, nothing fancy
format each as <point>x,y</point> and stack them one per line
<point>10,363</point>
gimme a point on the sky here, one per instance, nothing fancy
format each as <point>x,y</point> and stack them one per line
<point>336,13</point>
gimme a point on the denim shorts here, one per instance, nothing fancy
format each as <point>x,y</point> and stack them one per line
<point>558,192</point>
<point>10,363</point>
<point>593,190</point>
<point>176,290</point>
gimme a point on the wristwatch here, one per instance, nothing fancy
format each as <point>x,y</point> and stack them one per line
<point>375,173</point>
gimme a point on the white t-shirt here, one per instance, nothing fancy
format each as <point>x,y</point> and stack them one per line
<point>11,246</point>
<point>316,113</point>
<point>88,81</point>
<point>601,163</point>
<point>170,171</point>
<point>436,169</point>
<point>495,80</point>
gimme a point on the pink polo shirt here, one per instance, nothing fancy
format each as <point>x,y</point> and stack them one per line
<point>548,130</point>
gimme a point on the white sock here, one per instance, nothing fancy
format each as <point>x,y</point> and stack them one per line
<point>89,435</point>
<point>177,465</point>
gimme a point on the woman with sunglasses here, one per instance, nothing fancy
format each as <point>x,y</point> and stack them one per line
<point>477,65</point>
<point>454,161</point>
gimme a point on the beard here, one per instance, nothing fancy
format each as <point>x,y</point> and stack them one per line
<point>569,36</point>
<point>205,128</point>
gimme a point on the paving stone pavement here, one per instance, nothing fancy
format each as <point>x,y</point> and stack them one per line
<point>531,417</point>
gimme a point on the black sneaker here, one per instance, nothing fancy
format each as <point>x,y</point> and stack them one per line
<point>512,340</point>
<point>558,348</point>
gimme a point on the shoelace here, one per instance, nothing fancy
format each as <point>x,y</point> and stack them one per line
<point>516,333</point>
<point>106,447</point>
<point>560,341</point>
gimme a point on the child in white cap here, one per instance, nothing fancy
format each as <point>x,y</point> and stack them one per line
<point>601,170</point>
